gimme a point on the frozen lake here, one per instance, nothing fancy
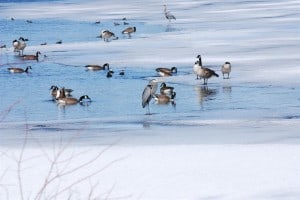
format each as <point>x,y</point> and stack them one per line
<point>256,90</point>
<point>235,138</point>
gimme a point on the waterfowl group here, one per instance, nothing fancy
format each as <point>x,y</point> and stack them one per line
<point>19,45</point>
<point>166,96</point>
<point>62,99</point>
<point>54,90</point>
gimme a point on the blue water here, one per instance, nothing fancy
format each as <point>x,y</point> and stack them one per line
<point>26,97</point>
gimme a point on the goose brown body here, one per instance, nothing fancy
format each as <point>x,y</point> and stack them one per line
<point>162,71</point>
<point>203,72</point>
<point>32,57</point>
<point>19,70</point>
<point>97,67</point>
<point>63,100</point>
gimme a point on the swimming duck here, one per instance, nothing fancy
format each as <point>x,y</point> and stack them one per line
<point>97,67</point>
<point>166,71</point>
<point>226,69</point>
<point>19,70</point>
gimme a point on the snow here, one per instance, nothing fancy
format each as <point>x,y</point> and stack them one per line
<point>221,157</point>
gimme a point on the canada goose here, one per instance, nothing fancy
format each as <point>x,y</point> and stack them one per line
<point>226,69</point>
<point>129,30</point>
<point>109,73</point>
<point>19,45</point>
<point>70,100</point>
<point>3,46</point>
<point>203,72</point>
<point>97,67</point>
<point>32,57</point>
<point>147,96</point>
<point>164,99</point>
<point>54,90</point>
<point>168,15</point>
<point>166,90</point>
<point>106,35</point>
<point>19,70</point>
<point>166,71</point>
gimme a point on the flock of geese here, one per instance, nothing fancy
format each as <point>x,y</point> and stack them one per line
<point>166,93</point>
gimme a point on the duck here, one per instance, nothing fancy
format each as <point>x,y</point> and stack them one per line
<point>122,73</point>
<point>58,42</point>
<point>63,100</point>
<point>109,73</point>
<point>106,35</point>
<point>226,69</point>
<point>3,46</point>
<point>32,57</point>
<point>164,99</point>
<point>166,90</point>
<point>166,71</point>
<point>129,30</point>
<point>19,70</point>
<point>97,67</point>
<point>203,72</point>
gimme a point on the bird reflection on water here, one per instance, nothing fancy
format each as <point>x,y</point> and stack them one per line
<point>205,94</point>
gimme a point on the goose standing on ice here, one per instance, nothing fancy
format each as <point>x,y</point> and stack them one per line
<point>129,30</point>
<point>203,72</point>
<point>106,35</point>
<point>226,69</point>
<point>19,45</point>
<point>168,15</point>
